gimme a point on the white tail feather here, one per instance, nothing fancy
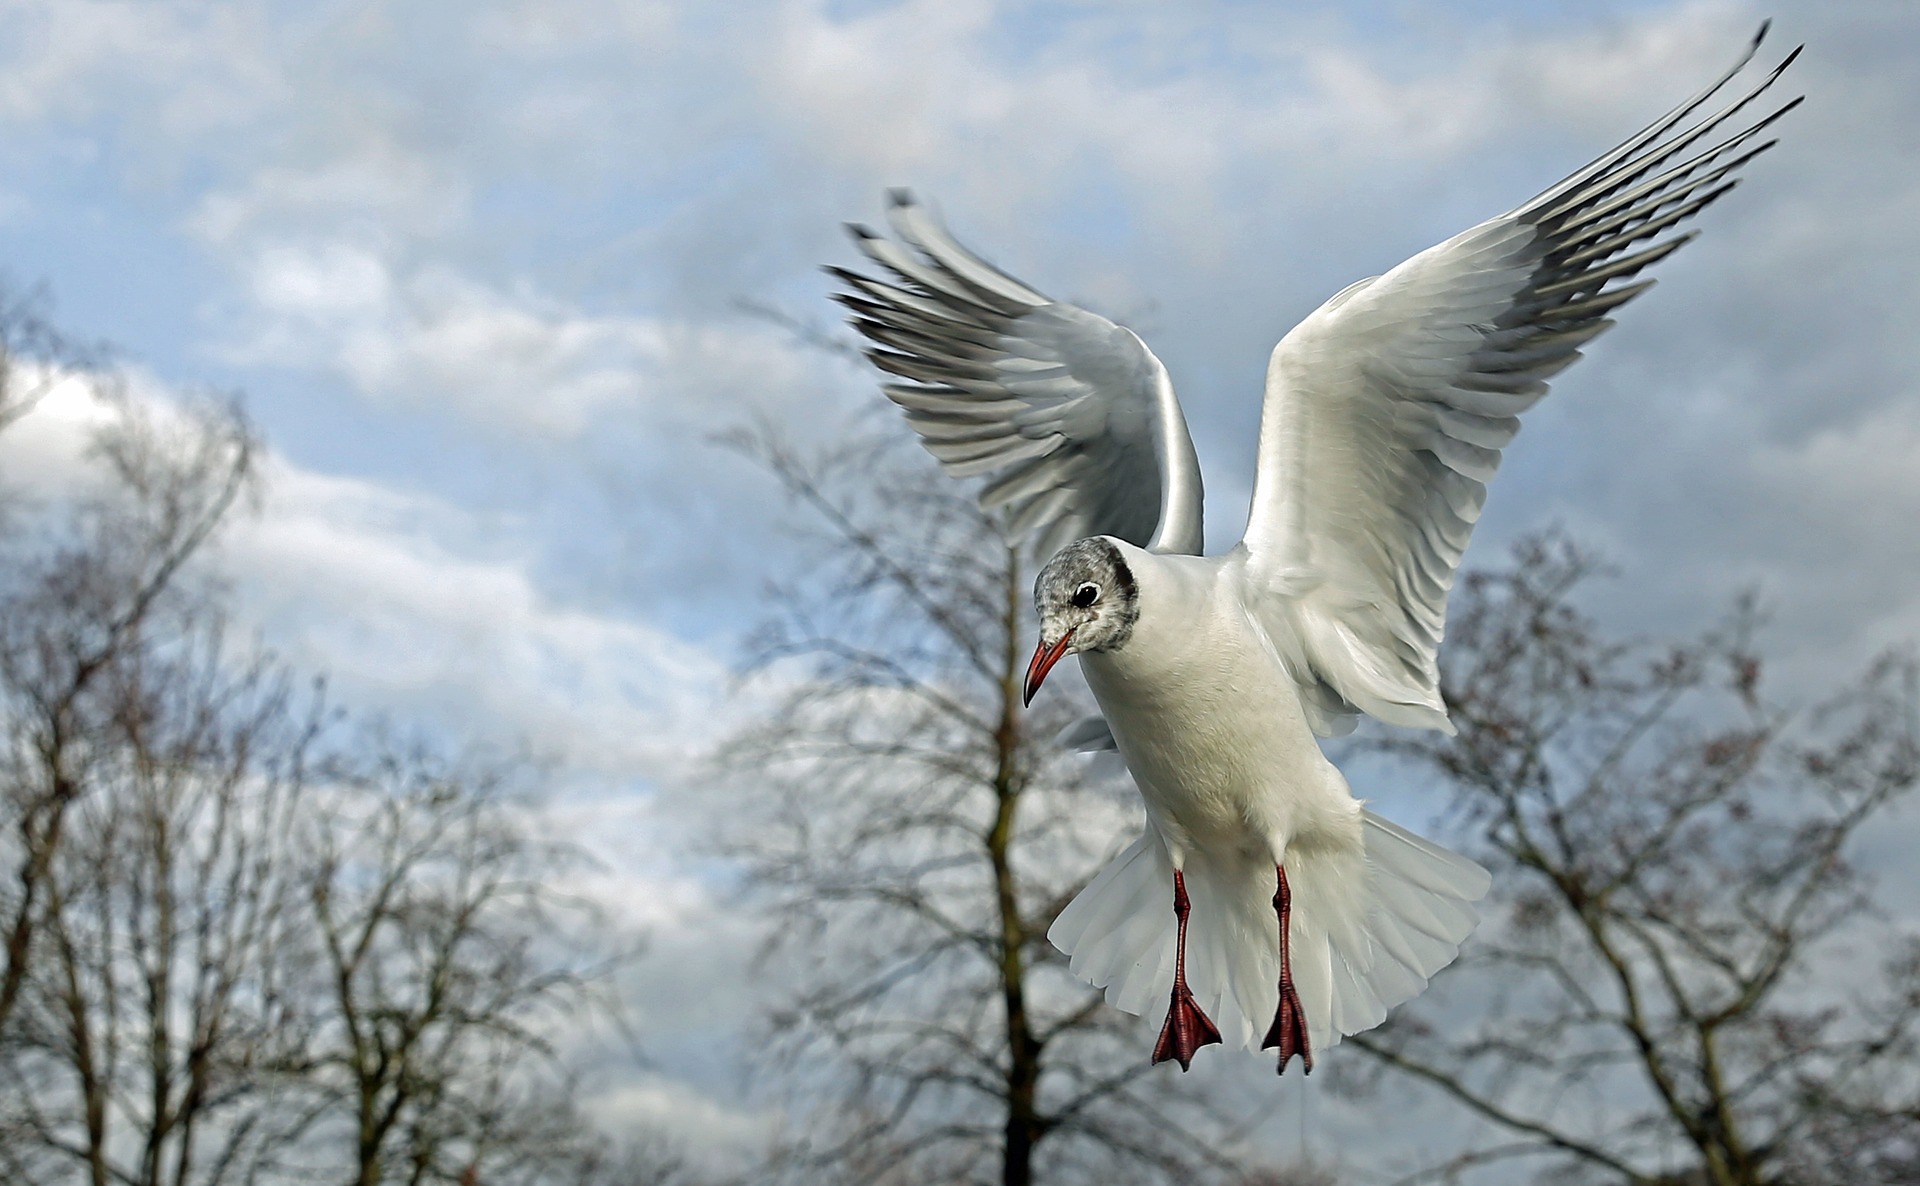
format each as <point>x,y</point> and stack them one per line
<point>1368,930</point>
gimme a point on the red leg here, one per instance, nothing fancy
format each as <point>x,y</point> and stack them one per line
<point>1187,1028</point>
<point>1289,1030</point>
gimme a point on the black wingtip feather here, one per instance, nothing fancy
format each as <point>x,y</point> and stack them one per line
<point>1774,74</point>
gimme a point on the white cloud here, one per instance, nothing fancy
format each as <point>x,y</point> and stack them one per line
<point>1837,558</point>
<point>360,582</point>
<point>336,281</point>
<point>188,68</point>
<point>1306,110</point>
<point>44,447</point>
<point>717,1134</point>
<point>561,29</point>
<point>384,192</point>
<point>409,603</point>
<point>513,361</point>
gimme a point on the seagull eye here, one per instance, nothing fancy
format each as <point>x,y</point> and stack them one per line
<point>1086,595</point>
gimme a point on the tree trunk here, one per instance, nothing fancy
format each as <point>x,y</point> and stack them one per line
<point>1024,1128</point>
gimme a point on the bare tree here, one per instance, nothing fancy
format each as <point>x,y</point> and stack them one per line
<point>34,356</point>
<point>137,784</point>
<point>162,1008</point>
<point>1686,980</point>
<point>917,833</point>
<point>79,601</point>
<point>450,961</point>
<point>228,959</point>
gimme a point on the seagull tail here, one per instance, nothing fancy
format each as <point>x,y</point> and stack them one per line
<point>1368,930</point>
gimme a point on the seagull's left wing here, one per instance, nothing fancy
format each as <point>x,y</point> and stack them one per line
<point>1387,408</point>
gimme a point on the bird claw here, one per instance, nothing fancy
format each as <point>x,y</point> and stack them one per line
<point>1186,1031</point>
<point>1289,1031</point>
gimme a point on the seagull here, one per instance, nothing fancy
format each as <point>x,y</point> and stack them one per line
<point>1384,418</point>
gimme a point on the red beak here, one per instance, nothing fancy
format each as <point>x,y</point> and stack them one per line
<point>1044,657</point>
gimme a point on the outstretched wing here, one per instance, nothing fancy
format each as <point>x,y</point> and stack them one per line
<point>1387,408</point>
<point>1071,415</point>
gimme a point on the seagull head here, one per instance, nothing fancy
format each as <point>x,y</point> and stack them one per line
<point>1088,601</point>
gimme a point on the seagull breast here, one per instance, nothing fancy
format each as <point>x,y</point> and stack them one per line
<point>1210,721</point>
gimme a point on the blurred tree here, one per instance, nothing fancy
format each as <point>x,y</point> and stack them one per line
<point>915,831</point>
<point>34,356</point>
<point>1684,978</point>
<point>142,770</point>
<point>451,960</point>
<point>162,1007</point>
<point>237,946</point>
<point>83,600</point>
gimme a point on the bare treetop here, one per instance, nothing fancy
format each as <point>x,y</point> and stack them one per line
<point>1689,980</point>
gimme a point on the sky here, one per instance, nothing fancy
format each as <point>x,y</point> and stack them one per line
<point>486,273</point>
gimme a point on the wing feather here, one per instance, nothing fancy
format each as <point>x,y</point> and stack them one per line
<point>1071,416</point>
<point>1388,407</point>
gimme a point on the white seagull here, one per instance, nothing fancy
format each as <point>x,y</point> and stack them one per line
<point>1385,413</point>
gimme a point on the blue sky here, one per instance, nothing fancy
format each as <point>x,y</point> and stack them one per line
<point>478,269</point>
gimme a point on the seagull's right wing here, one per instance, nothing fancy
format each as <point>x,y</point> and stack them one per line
<point>1072,415</point>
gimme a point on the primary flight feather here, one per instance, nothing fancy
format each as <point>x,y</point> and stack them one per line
<point>1385,415</point>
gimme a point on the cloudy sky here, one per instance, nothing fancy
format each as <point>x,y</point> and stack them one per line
<point>480,270</point>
